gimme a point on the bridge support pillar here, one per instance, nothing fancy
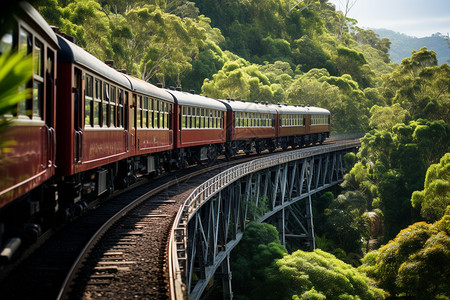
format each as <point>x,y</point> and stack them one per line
<point>226,279</point>
<point>309,219</point>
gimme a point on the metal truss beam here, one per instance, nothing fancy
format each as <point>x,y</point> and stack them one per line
<point>277,190</point>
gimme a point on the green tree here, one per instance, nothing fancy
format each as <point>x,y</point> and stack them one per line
<point>416,263</point>
<point>371,38</point>
<point>90,26</point>
<point>155,33</point>
<point>340,95</point>
<point>384,118</point>
<point>420,86</point>
<point>435,197</point>
<point>15,71</point>
<point>238,79</point>
<point>309,54</point>
<point>257,251</point>
<point>352,62</point>
<point>345,224</point>
<point>322,275</point>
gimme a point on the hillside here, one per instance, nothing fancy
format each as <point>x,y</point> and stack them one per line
<point>402,45</point>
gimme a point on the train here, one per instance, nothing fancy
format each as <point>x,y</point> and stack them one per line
<point>90,129</point>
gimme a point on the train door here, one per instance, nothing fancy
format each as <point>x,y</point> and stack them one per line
<point>77,113</point>
<point>50,101</point>
<point>124,117</point>
<point>133,119</point>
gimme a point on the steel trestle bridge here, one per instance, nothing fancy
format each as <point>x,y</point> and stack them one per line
<point>274,189</point>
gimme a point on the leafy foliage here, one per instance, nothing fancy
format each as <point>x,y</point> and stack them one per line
<point>321,275</point>
<point>420,86</point>
<point>416,263</point>
<point>15,72</point>
<point>255,253</point>
<point>385,117</point>
<point>433,200</point>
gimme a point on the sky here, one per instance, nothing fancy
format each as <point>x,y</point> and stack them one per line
<point>417,18</point>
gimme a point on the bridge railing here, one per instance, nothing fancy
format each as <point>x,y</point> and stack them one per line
<point>177,242</point>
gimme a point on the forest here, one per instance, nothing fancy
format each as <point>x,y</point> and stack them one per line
<point>385,232</point>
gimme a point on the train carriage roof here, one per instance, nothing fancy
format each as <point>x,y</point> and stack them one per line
<point>184,98</point>
<point>311,110</point>
<point>37,22</point>
<point>143,87</point>
<point>71,53</point>
<point>236,105</point>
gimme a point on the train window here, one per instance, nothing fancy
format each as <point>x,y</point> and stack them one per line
<point>150,113</point>
<point>162,116</point>
<point>38,58</point>
<point>88,89</point>
<point>145,113</point>
<point>6,42</point>
<point>197,117</point>
<point>169,116</point>
<point>88,101</point>
<point>25,45</point>
<point>105,104</point>
<point>155,113</point>
<point>97,101</point>
<point>113,107</point>
<point>166,115</point>
<point>202,118</point>
<point>133,114</point>
<point>139,112</point>
<point>218,121</point>
<point>38,80</point>
<point>120,108</point>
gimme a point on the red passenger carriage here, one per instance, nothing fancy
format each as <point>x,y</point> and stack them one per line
<point>30,159</point>
<point>300,125</point>
<point>199,127</point>
<point>251,126</point>
<point>151,125</point>
<point>90,111</point>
